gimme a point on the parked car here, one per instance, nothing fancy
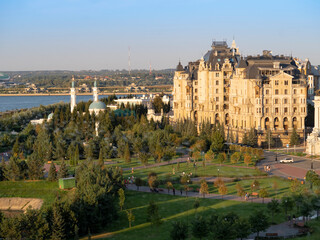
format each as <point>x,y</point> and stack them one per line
<point>286,160</point>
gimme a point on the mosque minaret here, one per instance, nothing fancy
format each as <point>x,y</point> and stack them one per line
<point>73,95</point>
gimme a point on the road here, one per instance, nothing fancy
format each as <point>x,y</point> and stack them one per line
<point>297,169</point>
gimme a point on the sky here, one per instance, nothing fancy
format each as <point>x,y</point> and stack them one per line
<point>97,34</point>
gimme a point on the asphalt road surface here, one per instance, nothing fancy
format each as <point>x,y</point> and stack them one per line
<point>297,169</point>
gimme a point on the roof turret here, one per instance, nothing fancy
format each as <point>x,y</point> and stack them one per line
<point>179,67</point>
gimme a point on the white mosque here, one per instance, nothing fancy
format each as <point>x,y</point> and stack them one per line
<point>95,107</point>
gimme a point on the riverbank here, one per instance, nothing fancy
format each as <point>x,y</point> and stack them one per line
<point>79,94</point>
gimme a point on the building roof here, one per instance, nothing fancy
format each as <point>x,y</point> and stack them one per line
<point>97,105</point>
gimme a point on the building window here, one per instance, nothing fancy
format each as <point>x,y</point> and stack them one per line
<point>196,90</point>
<point>285,110</point>
<point>267,110</point>
<point>217,107</point>
<point>217,74</point>
<point>276,110</point>
<point>276,92</point>
<point>267,101</point>
<point>285,101</point>
<point>286,82</point>
<point>217,99</point>
<point>294,101</point>
<point>196,98</point>
<point>295,110</point>
<point>217,82</point>
<point>295,91</point>
<point>276,82</point>
<point>217,90</point>
<point>276,101</point>
<point>286,91</point>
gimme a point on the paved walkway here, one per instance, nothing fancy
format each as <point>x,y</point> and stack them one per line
<point>197,194</point>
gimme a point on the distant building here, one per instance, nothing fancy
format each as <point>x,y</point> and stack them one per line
<point>96,106</point>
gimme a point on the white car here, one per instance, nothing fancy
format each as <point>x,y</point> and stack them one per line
<point>286,160</point>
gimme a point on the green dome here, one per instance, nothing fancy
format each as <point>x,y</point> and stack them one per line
<point>50,116</point>
<point>97,105</point>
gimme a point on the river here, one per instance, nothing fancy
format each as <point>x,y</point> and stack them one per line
<point>20,102</point>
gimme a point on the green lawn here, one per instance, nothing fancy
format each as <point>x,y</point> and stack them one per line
<point>31,189</point>
<point>172,208</point>
<point>283,186</point>
<point>209,170</point>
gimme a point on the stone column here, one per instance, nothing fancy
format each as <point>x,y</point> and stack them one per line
<point>316,113</point>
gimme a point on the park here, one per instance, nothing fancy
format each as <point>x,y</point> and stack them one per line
<point>145,178</point>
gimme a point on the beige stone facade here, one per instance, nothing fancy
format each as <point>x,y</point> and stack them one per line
<point>261,92</point>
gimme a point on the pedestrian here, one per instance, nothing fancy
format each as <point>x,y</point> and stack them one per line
<point>174,191</point>
<point>265,168</point>
<point>246,197</point>
<point>181,191</point>
<point>132,170</point>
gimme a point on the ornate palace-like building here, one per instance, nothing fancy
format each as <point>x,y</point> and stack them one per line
<point>261,92</point>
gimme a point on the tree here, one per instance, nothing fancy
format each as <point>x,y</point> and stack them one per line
<point>306,209</point>
<point>294,138</point>
<point>204,189</point>
<point>235,157</point>
<point>101,158</point>
<point>209,156</point>
<point>52,175</point>
<point>199,227</point>
<point>221,158</point>
<point>196,155</point>
<point>315,201</point>
<point>138,182</point>
<point>247,159</point>
<point>252,138</point>
<point>222,190</point>
<point>263,193</point>
<point>122,198</point>
<point>12,170</point>
<point>2,169</point>
<point>295,186</point>
<point>242,228</point>
<point>287,204</point>
<point>245,139</point>
<point>255,185</point>
<point>259,222</point>
<point>240,190</point>
<point>179,231</point>
<point>273,207</point>
<point>127,156</point>
<point>58,225</point>
<point>269,139</point>
<point>76,155</point>
<point>217,141</point>
<point>35,166</point>
<point>63,171</point>
<point>153,180</point>
<point>130,216</point>
<point>169,186</point>
<point>153,213</point>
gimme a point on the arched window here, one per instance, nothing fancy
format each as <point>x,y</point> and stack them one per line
<point>295,123</point>
<point>227,119</point>
<point>285,123</point>
<point>217,119</point>
<point>276,123</point>
<point>266,123</point>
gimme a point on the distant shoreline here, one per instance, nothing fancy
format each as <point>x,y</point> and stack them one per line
<point>78,94</point>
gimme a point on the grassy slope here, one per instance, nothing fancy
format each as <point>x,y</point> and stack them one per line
<point>33,189</point>
<point>171,208</point>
